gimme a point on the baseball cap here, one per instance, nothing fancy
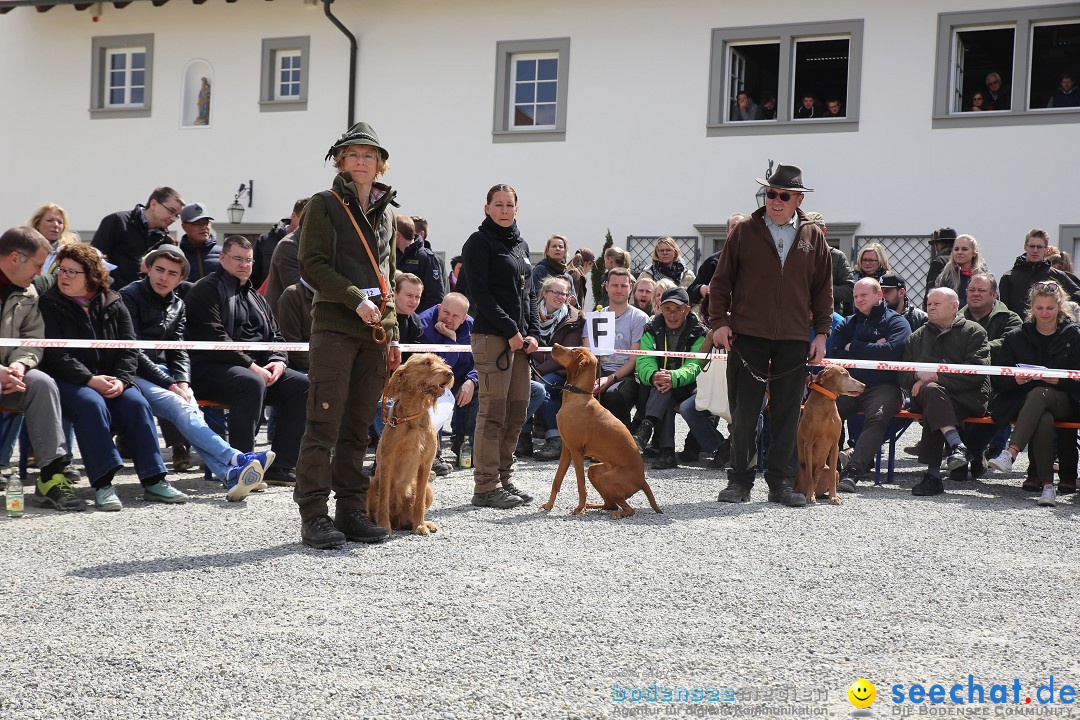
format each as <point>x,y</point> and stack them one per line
<point>892,281</point>
<point>675,295</point>
<point>193,212</point>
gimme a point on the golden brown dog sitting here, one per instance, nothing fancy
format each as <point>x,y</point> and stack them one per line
<point>587,428</point>
<point>819,434</point>
<point>401,491</point>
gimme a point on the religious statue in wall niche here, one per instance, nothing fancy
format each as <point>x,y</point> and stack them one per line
<point>202,106</point>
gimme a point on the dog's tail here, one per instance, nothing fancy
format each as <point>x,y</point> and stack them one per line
<point>652,501</point>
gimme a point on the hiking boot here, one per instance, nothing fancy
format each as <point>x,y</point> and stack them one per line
<point>957,457</point>
<point>58,494</point>
<point>551,449</point>
<point>513,489</point>
<point>358,527</point>
<point>1049,496</point>
<point>319,532</point>
<point>105,499</point>
<point>929,485</point>
<point>735,492</point>
<point>786,495</point>
<point>643,435</point>
<point>498,498</point>
<point>1003,462</point>
<point>240,480</point>
<point>848,480</point>
<point>666,460</point>
<point>524,445</point>
<point>440,467</point>
<point>284,477</point>
<point>163,492</point>
<point>181,458</point>
<point>722,456</point>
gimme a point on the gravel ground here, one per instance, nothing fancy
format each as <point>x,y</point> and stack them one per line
<point>215,610</point>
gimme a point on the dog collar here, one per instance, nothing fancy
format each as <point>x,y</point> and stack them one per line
<point>821,389</point>
<point>395,421</point>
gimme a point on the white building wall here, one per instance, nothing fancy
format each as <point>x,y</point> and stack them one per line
<point>636,158</point>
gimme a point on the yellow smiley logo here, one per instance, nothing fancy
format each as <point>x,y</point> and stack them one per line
<point>862,693</point>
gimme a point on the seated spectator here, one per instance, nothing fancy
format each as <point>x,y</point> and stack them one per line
<point>978,102</point>
<point>164,377</point>
<point>1049,338</point>
<point>613,257</point>
<point>964,262</point>
<point>416,257</point>
<point>563,324</point>
<point>1030,267</point>
<point>266,247</point>
<point>666,264</point>
<point>644,290</point>
<point>894,288</point>
<point>23,253</point>
<point>52,221</point>
<point>941,241</point>
<point>945,399</point>
<point>225,307</point>
<point>408,291</point>
<point>97,386</point>
<point>872,261</point>
<point>873,332</point>
<point>659,289</point>
<point>843,280</point>
<point>616,382</point>
<point>745,108</point>
<point>808,108</point>
<point>1067,95</point>
<point>834,108</point>
<point>126,236</point>
<point>448,323</point>
<point>553,264</point>
<point>580,268</point>
<point>672,382</point>
<point>455,272</point>
<point>198,242</point>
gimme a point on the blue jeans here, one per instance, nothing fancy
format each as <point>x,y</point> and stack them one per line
<point>537,396</point>
<point>550,408</point>
<point>94,418</point>
<point>188,419</point>
<point>702,425</point>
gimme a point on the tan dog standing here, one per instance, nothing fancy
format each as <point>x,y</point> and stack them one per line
<point>819,433</point>
<point>587,428</point>
<point>401,491</point>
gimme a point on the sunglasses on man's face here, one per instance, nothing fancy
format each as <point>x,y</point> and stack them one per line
<point>772,195</point>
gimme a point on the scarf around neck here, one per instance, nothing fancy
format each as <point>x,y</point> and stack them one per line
<point>548,323</point>
<point>674,272</point>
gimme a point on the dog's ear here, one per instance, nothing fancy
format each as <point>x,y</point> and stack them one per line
<point>397,380</point>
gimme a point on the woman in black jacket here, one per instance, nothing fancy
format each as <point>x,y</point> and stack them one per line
<point>97,386</point>
<point>1049,339</point>
<point>499,277</point>
<point>559,323</point>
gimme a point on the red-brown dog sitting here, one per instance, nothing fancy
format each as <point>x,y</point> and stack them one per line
<point>819,434</point>
<point>587,428</point>
<point>401,491</point>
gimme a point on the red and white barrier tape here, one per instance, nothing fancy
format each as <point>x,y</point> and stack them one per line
<point>945,368</point>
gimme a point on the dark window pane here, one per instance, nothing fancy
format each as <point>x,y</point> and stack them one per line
<point>295,76</point>
<point>137,95</point>
<point>821,71</point>
<point>548,70</point>
<point>525,93</point>
<point>755,69</point>
<point>138,77</point>
<point>526,70</point>
<point>1055,49</point>
<point>978,54</point>
<point>284,92</point>
<point>116,78</point>
<point>523,115</point>
<point>116,97</point>
<point>545,114</point>
<point>546,91</point>
<point>118,61</point>
<point>138,60</point>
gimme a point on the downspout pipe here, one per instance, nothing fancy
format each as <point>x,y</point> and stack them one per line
<point>352,61</point>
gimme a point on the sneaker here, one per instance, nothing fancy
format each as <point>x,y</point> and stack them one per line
<point>105,499</point>
<point>259,487</point>
<point>929,485</point>
<point>513,489</point>
<point>666,461</point>
<point>266,459</point>
<point>440,467</point>
<point>240,480</point>
<point>643,435</point>
<point>848,480</point>
<point>72,475</point>
<point>163,492</point>
<point>957,457</point>
<point>285,477</point>
<point>551,449</point>
<point>181,458</point>
<point>319,532</point>
<point>1003,462</point>
<point>1049,496</point>
<point>735,492</point>
<point>358,527</point>
<point>524,445</point>
<point>498,498</point>
<point>58,493</point>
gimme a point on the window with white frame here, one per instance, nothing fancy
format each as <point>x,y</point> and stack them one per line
<point>1005,67</point>
<point>121,72</point>
<point>531,90</point>
<point>785,78</point>
<point>285,67</point>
